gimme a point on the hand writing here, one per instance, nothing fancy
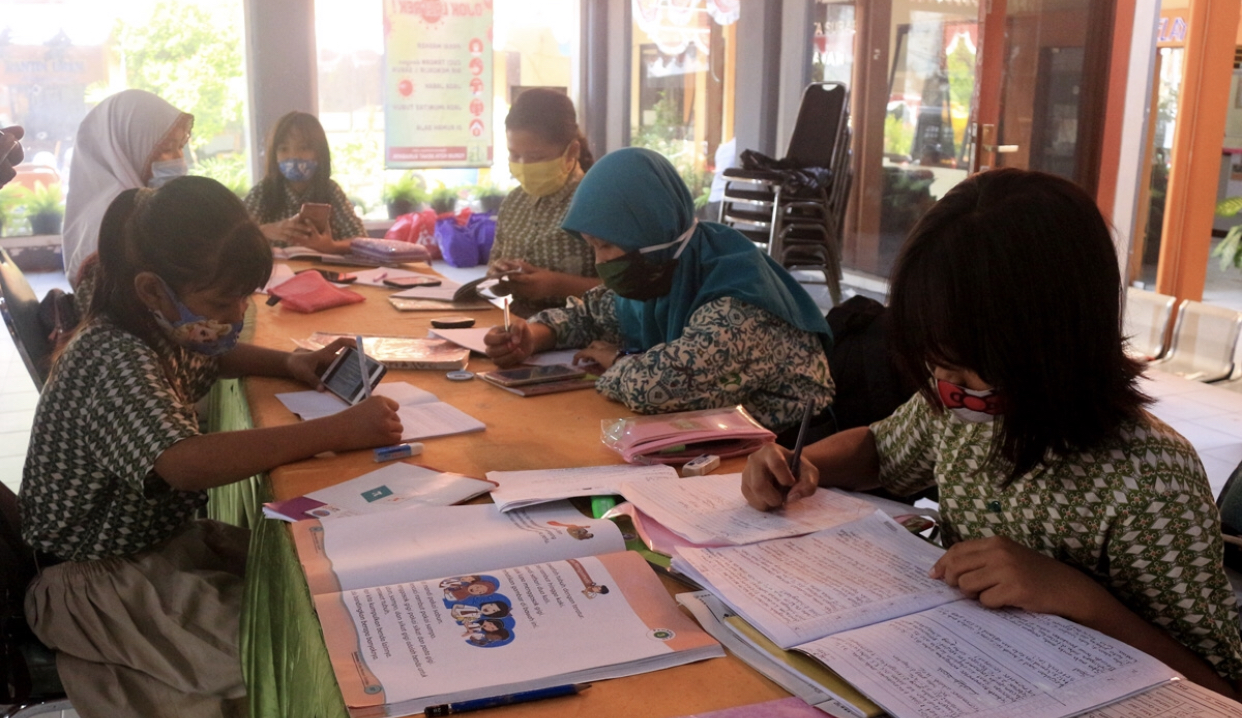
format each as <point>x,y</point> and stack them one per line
<point>767,482</point>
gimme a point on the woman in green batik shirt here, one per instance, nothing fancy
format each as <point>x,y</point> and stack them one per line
<point>542,263</point>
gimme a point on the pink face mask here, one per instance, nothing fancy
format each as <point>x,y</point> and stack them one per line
<point>968,404</point>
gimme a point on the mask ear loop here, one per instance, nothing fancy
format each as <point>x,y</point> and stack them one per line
<point>683,238</point>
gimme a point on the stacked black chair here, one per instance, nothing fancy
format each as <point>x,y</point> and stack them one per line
<point>20,309</point>
<point>800,230</point>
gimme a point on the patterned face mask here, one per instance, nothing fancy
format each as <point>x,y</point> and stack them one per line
<point>970,405</point>
<point>196,332</point>
<point>299,170</point>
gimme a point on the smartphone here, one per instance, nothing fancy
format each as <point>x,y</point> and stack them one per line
<point>331,276</point>
<point>317,214</point>
<point>535,374</point>
<point>452,322</point>
<point>409,282</point>
<point>344,376</point>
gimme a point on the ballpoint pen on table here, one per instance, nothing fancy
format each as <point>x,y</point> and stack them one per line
<point>506,303</point>
<point>362,366</point>
<point>504,700</point>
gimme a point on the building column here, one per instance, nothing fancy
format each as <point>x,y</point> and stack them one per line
<point>281,68</point>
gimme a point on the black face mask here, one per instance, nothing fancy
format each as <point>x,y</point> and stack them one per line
<point>633,276</point>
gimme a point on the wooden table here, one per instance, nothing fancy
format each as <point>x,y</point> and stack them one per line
<point>283,654</point>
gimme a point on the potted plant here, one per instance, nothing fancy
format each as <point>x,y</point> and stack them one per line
<point>404,195</point>
<point>1230,249</point>
<point>490,196</point>
<point>10,200</point>
<point>444,199</point>
<point>45,206</point>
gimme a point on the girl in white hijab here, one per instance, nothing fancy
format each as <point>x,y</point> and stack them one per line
<point>132,139</point>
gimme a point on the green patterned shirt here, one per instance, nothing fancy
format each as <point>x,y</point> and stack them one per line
<point>529,228</point>
<point>729,353</point>
<point>343,222</point>
<point>1136,514</point>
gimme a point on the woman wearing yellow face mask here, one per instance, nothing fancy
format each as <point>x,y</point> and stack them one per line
<point>541,263</point>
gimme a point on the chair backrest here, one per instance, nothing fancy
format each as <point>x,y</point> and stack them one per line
<point>821,125</point>
<point>20,309</point>
<point>1147,318</point>
<point>1203,341</point>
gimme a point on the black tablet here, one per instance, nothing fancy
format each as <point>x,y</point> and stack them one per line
<point>344,376</point>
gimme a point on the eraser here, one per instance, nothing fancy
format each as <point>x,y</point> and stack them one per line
<point>701,465</point>
<point>400,451</point>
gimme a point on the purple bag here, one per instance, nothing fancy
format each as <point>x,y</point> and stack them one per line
<point>466,239</point>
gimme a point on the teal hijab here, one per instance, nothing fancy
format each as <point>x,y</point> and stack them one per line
<point>634,198</point>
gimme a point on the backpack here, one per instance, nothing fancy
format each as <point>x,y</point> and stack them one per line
<point>869,385</point>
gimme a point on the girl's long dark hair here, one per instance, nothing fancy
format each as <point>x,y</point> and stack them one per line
<point>193,233</point>
<point>1013,275</point>
<point>271,209</point>
<point>551,117</point>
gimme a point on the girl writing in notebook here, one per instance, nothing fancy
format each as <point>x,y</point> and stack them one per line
<point>1059,493</point>
<point>299,171</point>
<point>140,599</point>
<point>691,315</point>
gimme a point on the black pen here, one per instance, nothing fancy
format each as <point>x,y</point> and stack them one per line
<point>795,459</point>
<point>505,700</point>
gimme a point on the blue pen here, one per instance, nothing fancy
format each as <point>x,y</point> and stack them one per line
<point>505,700</point>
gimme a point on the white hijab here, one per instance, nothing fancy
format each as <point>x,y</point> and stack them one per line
<point>114,142</point>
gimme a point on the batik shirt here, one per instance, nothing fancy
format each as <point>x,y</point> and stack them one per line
<point>110,408</point>
<point>529,228</point>
<point>344,222</point>
<point>1136,514</point>
<point>729,353</point>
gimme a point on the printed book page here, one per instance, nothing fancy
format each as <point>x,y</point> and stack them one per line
<point>395,486</point>
<point>711,510</point>
<point>801,675</point>
<point>358,551</point>
<point>414,644</point>
<point>518,489</point>
<point>799,589</point>
<point>399,352</point>
<point>962,660</point>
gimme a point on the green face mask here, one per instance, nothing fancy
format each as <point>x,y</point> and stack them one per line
<point>540,179</point>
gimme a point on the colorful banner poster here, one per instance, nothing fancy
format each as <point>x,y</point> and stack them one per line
<point>438,83</point>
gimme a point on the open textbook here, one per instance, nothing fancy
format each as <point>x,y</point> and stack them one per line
<point>454,603</point>
<point>422,415</point>
<point>858,599</point>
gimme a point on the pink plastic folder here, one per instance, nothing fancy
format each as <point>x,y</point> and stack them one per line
<point>678,438</point>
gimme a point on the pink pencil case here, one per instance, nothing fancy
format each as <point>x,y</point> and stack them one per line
<point>678,438</point>
<point>389,250</point>
<point>309,292</point>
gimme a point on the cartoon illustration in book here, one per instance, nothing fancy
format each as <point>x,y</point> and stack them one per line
<point>461,587</point>
<point>590,589</point>
<point>497,606</point>
<point>488,633</point>
<point>582,533</point>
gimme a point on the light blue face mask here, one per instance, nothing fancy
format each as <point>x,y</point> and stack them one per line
<point>163,171</point>
<point>299,170</point>
<point>196,332</point>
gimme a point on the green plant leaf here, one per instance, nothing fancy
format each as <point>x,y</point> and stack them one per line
<point>1229,206</point>
<point>1230,249</point>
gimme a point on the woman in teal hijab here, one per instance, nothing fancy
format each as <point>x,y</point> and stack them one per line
<point>691,314</point>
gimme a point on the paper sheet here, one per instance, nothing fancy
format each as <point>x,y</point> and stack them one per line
<point>472,339</point>
<point>711,510</point>
<point>519,489</point>
<point>962,660</point>
<point>395,486</point>
<point>313,404</point>
<point>799,589</point>
<point>422,415</point>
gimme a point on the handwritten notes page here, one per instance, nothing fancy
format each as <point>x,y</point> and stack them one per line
<point>1178,699</point>
<point>518,489</point>
<point>800,589</point>
<point>961,660</point>
<point>422,415</point>
<point>711,510</point>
